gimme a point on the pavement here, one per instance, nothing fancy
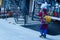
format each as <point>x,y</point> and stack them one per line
<point>53,28</point>
<point>12,31</point>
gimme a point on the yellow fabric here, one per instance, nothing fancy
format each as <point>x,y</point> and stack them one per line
<point>48,19</point>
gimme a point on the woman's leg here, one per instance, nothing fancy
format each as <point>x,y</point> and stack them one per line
<point>41,31</point>
<point>45,32</point>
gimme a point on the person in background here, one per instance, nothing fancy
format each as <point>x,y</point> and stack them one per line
<point>55,14</point>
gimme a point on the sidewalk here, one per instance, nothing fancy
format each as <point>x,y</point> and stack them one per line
<point>21,21</point>
<point>53,28</point>
<point>10,31</point>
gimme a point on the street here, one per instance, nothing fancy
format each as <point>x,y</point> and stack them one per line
<point>10,31</point>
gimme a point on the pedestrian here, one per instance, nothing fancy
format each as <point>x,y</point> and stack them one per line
<point>43,23</point>
<point>55,14</point>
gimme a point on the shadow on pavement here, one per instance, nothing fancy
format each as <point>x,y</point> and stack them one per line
<point>53,29</point>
